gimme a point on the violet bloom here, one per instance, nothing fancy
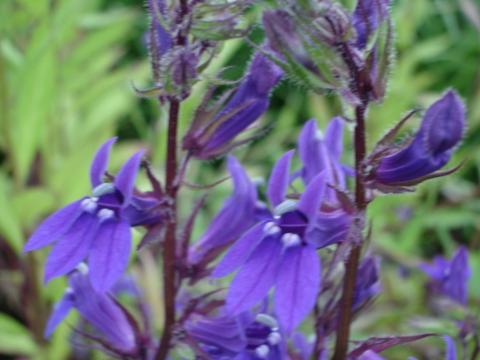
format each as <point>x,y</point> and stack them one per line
<point>160,40</point>
<point>367,17</point>
<point>278,252</point>
<point>238,212</point>
<point>94,228</point>
<point>212,137</point>
<point>450,277</point>
<point>243,337</point>
<point>99,309</point>
<point>440,132</point>
<point>321,153</point>
<point>368,281</point>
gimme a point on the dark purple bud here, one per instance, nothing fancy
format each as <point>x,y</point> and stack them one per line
<point>212,134</point>
<point>368,281</point>
<point>183,72</point>
<point>441,131</point>
<point>281,30</point>
<point>450,277</point>
<point>160,40</point>
<point>366,18</point>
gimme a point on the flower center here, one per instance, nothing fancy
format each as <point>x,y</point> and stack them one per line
<point>293,222</point>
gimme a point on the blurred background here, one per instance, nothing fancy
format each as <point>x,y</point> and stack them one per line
<point>67,72</point>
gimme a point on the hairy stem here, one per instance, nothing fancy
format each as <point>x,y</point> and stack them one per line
<point>169,251</point>
<point>351,266</point>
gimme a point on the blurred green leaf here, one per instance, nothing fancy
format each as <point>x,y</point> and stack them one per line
<point>15,338</point>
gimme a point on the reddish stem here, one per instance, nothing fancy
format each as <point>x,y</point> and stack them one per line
<point>169,253</point>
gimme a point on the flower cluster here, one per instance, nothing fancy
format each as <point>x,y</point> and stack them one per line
<point>295,245</point>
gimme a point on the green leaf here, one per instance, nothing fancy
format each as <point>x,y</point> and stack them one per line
<point>9,224</point>
<point>15,338</point>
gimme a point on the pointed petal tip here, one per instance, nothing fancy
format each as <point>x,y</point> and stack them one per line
<point>100,161</point>
<point>125,179</point>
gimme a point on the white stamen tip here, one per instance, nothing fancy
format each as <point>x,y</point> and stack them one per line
<point>267,320</point>
<point>103,189</point>
<point>290,239</point>
<point>285,206</point>
<point>262,351</point>
<point>68,291</point>
<point>105,214</point>
<point>319,135</point>
<point>270,228</point>
<point>82,268</point>
<point>89,204</point>
<point>274,338</point>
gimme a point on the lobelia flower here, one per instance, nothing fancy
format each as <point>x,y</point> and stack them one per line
<point>160,40</point>
<point>95,227</point>
<point>238,211</point>
<point>99,309</point>
<point>243,337</point>
<point>450,277</point>
<point>278,251</point>
<point>368,281</point>
<point>366,18</point>
<point>212,135</point>
<point>322,153</point>
<point>430,149</point>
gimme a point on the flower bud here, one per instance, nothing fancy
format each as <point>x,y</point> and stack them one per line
<point>159,37</point>
<point>430,149</point>
<point>212,132</point>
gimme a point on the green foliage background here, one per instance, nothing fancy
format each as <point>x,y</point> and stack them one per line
<point>66,74</point>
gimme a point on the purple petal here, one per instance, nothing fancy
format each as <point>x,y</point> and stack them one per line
<point>367,16</point>
<point>370,355</point>
<point>235,217</point>
<point>61,310</point>
<point>109,254</point>
<point>456,285</point>
<point>278,183</point>
<point>240,251</point>
<point>334,137</point>
<point>72,247</point>
<point>309,151</point>
<point>125,179</point>
<point>256,277</point>
<point>103,313</point>
<point>54,226</point>
<point>329,228</point>
<point>100,162</point>
<point>444,123</point>
<point>297,288</point>
<point>311,199</point>
<point>451,351</point>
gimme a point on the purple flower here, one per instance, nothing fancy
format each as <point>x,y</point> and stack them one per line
<point>368,281</point>
<point>431,148</point>
<point>99,309</point>
<point>370,355</point>
<point>243,337</point>
<point>450,277</point>
<point>213,136</point>
<point>366,18</point>
<point>278,252</point>
<point>160,41</point>
<point>94,228</point>
<point>233,219</point>
<point>451,351</point>
<point>322,153</point>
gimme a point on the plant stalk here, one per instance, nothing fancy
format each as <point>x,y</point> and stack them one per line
<point>351,266</point>
<point>169,244</point>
